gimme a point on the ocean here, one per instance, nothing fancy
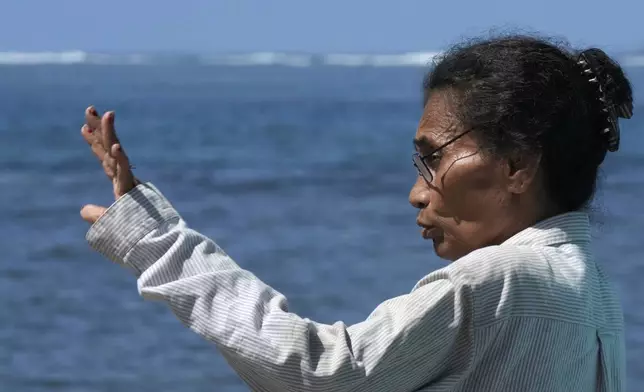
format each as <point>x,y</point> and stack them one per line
<point>301,173</point>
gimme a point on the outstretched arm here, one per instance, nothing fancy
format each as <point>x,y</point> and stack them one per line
<point>401,346</point>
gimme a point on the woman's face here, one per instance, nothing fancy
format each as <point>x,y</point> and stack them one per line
<point>473,200</point>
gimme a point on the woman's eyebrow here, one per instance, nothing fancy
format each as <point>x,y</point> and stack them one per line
<point>427,143</point>
<point>423,142</point>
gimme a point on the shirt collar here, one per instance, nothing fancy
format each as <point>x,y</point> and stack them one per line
<point>571,227</point>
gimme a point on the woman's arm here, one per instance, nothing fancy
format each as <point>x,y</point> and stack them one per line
<point>403,345</point>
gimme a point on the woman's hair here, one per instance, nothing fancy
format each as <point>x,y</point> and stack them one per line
<point>523,96</point>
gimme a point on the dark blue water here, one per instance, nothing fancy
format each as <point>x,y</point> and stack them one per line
<point>301,175</point>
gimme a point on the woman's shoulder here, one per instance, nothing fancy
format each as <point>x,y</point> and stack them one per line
<point>507,281</point>
<point>523,261</point>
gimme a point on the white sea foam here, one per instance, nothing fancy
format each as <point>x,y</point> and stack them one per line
<point>410,59</point>
<point>414,59</point>
<point>261,58</point>
<point>24,58</point>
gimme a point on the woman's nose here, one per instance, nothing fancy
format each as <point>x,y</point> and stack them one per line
<point>419,194</point>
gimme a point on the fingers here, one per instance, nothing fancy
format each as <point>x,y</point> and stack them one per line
<point>108,133</point>
<point>109,166</point>
<point>107,162</point>
<point>91,213</point>
<point>104,125</point>
<point>91,137</point>
<point>92,119</point>
<point>99,134</point>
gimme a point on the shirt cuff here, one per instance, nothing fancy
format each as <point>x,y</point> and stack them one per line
<point>128,220</point>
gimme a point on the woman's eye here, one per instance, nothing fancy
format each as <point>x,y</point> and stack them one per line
<point>433,160</point>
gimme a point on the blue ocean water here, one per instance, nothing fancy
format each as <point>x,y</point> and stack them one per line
<point>301,174</point>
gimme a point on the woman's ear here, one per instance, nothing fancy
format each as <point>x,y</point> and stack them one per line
<point>521,171</point>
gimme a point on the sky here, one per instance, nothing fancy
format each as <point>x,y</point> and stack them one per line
<point>322,26</point>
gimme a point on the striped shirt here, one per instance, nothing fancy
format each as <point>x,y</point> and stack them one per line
<point>535,313</point>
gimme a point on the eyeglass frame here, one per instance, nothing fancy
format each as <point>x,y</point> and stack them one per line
<point>418,159</point>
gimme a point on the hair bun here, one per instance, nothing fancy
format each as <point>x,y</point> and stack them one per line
<point>613,91</point>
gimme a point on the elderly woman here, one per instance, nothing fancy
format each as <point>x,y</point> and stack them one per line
<point>507,151</point>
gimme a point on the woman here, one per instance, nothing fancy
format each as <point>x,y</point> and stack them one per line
<point>507,150</point>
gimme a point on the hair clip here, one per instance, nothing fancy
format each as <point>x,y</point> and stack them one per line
<point>590,68</point>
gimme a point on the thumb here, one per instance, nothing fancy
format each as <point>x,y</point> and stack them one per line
<point>90,213</point>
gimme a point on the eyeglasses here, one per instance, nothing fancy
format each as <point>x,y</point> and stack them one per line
<point>421,165</point>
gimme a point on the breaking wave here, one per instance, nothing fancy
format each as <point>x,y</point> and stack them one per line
<point>415,59</point>
<point>411,59</point>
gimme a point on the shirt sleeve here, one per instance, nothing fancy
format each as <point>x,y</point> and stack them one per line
<point>403,345</point>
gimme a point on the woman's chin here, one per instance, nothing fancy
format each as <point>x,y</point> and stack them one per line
<point>444,249</point>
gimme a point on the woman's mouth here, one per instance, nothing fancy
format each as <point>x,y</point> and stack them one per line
<point>429,231</point>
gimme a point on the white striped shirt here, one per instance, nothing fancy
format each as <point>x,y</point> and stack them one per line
<point>535,313</point>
